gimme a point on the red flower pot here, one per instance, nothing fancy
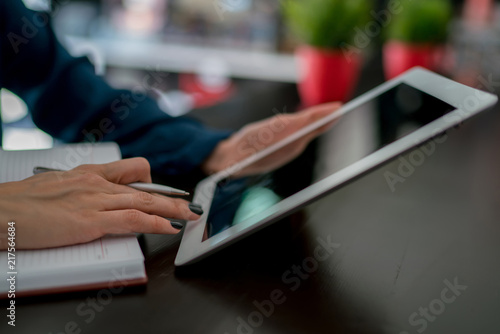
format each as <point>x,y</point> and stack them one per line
<point>400,57</point>
<point>326,75</point>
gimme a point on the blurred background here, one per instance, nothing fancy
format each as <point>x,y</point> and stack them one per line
<point>228,62</point>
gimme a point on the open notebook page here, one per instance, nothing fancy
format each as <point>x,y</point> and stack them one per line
<point>110,259</point>
<point>18,165</point>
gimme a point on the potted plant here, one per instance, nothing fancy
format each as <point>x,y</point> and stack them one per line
<point>326,27</point>
<point>416,36</point>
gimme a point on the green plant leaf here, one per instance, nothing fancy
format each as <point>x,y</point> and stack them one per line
<point>421,21</point>
<point>326,23</point>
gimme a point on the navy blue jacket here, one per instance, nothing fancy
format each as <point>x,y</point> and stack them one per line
<point>68,101</point>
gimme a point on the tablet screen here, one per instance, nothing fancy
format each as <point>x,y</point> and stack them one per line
<point>360,132</point>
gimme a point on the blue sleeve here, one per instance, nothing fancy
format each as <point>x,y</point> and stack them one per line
<point>68,101</point>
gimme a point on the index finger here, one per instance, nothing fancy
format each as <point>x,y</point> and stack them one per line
<point>123,171</point>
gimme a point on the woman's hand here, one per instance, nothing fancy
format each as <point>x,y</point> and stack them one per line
<point>83,204</point>
<point>257,136</point>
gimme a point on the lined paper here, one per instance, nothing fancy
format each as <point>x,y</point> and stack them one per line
<point>18,165</point>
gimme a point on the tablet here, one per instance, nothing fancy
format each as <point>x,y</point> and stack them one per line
<point>412,110</point>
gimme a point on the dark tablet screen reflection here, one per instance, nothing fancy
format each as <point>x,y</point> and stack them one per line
<point>362,131</point>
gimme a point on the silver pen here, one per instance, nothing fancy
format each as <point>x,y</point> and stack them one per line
<point>147,187</point>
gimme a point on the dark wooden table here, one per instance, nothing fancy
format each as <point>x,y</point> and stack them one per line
<point>422,259</point>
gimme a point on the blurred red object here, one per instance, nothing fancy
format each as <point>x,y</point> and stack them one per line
<point>400,57</point>
<point>478,13</point>
<point>326,75</point>
<point>203,95</point>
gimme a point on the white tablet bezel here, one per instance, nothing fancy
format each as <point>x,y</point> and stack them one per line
<point>467,100</point>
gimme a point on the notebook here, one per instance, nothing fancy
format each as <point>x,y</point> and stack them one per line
<point>111,262</point>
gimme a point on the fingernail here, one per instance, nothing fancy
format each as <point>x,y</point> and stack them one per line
<point>196,208</point>
<point>177,225</point>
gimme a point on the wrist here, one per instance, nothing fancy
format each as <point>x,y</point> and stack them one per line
<point>10,206</point>
<point>6,214</point>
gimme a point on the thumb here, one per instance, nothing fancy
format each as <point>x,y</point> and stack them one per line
<point>320,111</point>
